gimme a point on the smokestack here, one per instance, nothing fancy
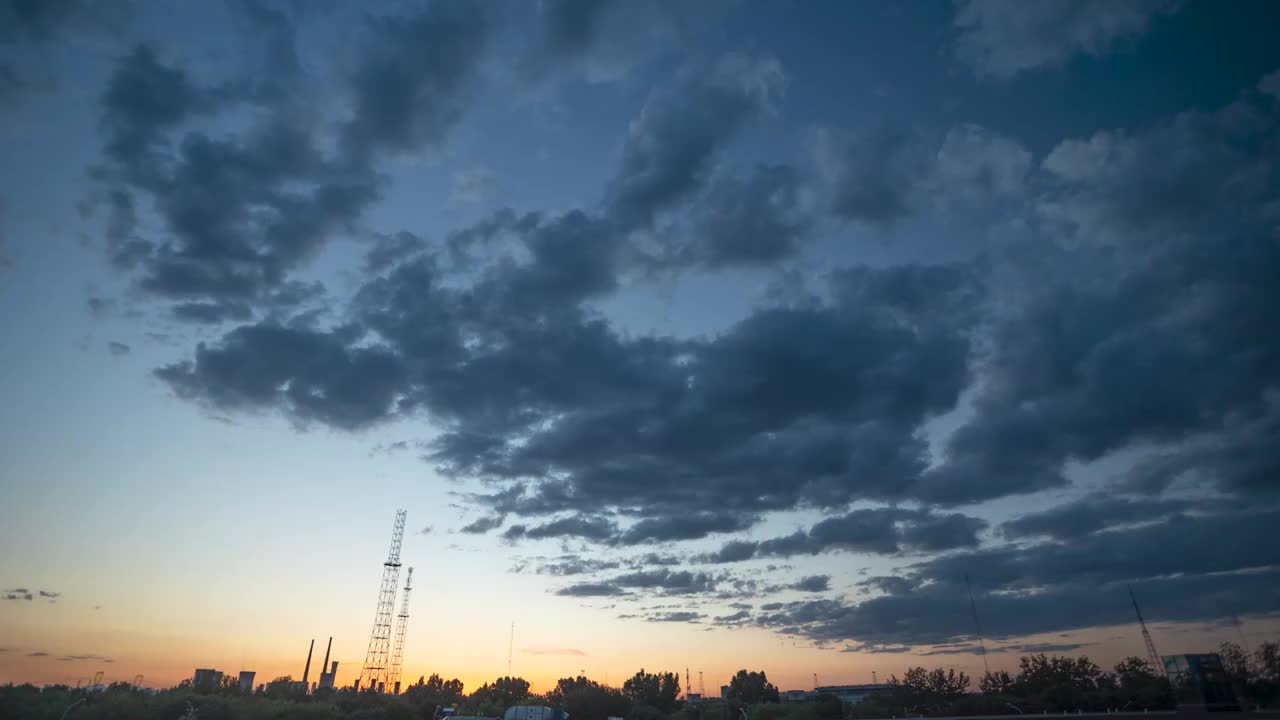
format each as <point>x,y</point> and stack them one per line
<point>326,655</point>
<point>307,669</point>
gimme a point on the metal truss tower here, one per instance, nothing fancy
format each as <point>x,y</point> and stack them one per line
<point>377,668</point>
<point>397,651</point>
<point>1152,655</point>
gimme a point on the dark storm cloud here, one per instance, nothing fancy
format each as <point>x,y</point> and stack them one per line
<point>1000,38</point>
<point>684,616</point>
<point>812,583</point>
<point>872,174</point>
<point>409,87</point>
<point>815,405</point>
<point>483,524</point>
<point>569,26</point>
<point>880,530</point>
<point>574,565</point>
<point>44,20</point>
<point>757,218</point>
<point>687,526</point>
<point>318,376</point>
<point>212,313</point>
<point>1091,514</point>
<point>389,250</point>
<point>579,526</point>
<point>241,210</point>
<point>1106,361</point>
<point>1183,569</point>
<point>670,148</point>
<point>590,590</point>
<point>671,582</point>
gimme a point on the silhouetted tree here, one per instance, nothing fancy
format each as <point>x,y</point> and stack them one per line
<point>585,699</point>
<point>495,698</point>
<point>750,688</point>
<point>658,690</point>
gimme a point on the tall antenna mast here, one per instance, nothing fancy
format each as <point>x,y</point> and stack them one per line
<point>688,688</point>
<point>702,689</point>
<point>982,645</point>
<point>511,643</point>
<point>376,668</point>
<point>1146,636</point>
<point>402,621</point>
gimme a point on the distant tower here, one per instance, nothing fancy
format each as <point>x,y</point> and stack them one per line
<point>402,620</point>
<point>1146,636</point>
<point>688,688</point>
<point>306,670</point>
<point>982,645</point>
<point>376,668</point>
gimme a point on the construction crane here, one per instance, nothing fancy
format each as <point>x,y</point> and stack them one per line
<point>1152,655</point>
<point>402,621</point>
<point>982,645</point>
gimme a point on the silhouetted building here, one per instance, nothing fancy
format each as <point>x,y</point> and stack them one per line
<point>852,693</point>
<point>1199,682</point>
<point>328,679</point>
<point>206,680</point>
<point>246,681</point>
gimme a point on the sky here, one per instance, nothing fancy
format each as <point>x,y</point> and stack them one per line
<point>689,335</point>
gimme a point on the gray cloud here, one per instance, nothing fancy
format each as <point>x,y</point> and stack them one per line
<point>756,218</point>
<point>1091,514</point>
<point>812,583</point>
<point>1000,38</point>
<point>408,89</point>
<point>683,616</point>
<point>242,211</point>
<point>118,348</point>
<point>590,528</point>
<point>38,654</point>
<point>1021,589</point>
<point>484,524</point>
<point>317,376</point>
<point>590,590</point>
<point>878,530</point>
<point>670,147</point>
<point>574,565</point>
<point>212,313</point>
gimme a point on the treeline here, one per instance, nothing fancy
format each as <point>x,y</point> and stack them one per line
<point>1053,684</point>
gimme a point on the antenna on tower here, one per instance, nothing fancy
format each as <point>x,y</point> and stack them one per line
<point>402,621</point>
<point>815,682</point>
<point>511,643</point>
<point>982,645</point>
<point>688,688</point>
<point>376,668</point>
<point>702,689</point>
<point>1146,636</point>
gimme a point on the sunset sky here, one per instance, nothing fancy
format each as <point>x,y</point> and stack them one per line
<point>706,335</point>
